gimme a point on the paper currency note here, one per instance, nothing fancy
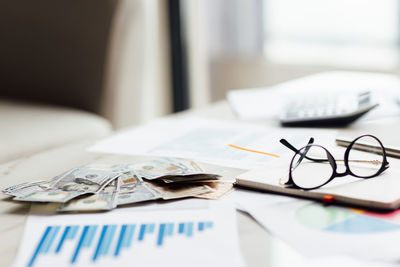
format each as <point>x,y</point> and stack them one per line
<point>129,181</point>
<point>175,191</point>
<point>103,200</point>
<point>189,178</point>
<point>94,176</point>
<point>26,188</point>
<point>50,195</point>
<point>219,190</point>
<point>29,187</point>
<point>140,193</point>
<point>65,187</point>
<point>134,190</point>
<point>90,184</point>
<point>166,166</point>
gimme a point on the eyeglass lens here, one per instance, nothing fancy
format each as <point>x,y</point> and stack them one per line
<point>307,173</point>
<point>364,164</point>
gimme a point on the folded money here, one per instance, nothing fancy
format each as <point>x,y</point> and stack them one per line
<point>26,188</point>
<point>219,190</point>
<point>29,187</point>
<point>189,178</point>
<point>70,185</point>
<point>175,191</point>
<point>166,167</point>
<point>132,188</point>
<point>105,186</point>
<point>93,176</point>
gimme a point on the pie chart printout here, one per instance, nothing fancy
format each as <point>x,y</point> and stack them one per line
<point>347,220</point>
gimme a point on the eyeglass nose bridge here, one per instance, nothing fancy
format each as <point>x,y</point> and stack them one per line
<point>335,167</point>
<point>342,174</point>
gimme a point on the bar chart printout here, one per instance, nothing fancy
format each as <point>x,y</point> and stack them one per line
<point>141,241</point>
<point>121,235</point>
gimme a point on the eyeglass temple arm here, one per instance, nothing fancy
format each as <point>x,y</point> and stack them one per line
<point>295,150</point>
<point>288,145</point>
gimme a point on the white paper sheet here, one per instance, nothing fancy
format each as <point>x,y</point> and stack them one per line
<point>296,250</point>
<point>282,255</point>
<point>244,198</point>
<point>207,141</point>
<point>204,236</point>
<point>319,231</point>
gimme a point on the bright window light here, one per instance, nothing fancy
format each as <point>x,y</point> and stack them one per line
<point>334,32</point>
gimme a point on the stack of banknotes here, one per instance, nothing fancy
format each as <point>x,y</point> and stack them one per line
<point>104,187</point>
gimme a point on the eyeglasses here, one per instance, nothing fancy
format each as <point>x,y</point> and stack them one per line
<point>314,166</point>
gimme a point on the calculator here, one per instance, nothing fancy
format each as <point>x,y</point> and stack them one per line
<point>338,109</point>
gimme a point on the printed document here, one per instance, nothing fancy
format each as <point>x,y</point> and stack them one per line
<point>204,236</point>
<point>317,230</point>
<point>207,141</point>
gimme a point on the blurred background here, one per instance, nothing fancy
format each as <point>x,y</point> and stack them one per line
<point>133,60</point>
<point>263,42</point>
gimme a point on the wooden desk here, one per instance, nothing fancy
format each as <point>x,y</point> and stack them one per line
<point>258,246</point>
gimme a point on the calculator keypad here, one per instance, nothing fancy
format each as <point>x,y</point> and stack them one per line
<point>326,107</point>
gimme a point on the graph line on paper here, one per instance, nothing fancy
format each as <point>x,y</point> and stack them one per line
<point>254,151</point>
<point>111,240</point>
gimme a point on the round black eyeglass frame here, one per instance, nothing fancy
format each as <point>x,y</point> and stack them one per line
<point>290,182</point>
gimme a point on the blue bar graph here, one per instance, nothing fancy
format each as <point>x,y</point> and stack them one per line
<point>120,239</point>
<point>68,234</point>
<point>90,235</point>
<point>63,238</point>
<point>98,248</point>
<point>189,229</point>
<point>150,228</point>
<point>85,240</point>
<point>105,247</point>
<point>110,240</point>
<point>45,242</point>
<point>129,236</point>
<point>200,226</point>
<point>145,229</point>
<point>181,228</point>
<point>39,246</point>
<point>81,240</point>
<point>49,241</point>
<point>142,232</point>
<point>104,243</point>
<point>72,233</point>
<point>161,233</point>
<point>170,229</point>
